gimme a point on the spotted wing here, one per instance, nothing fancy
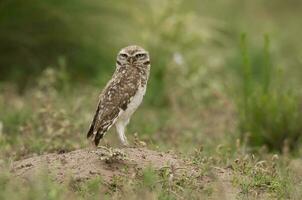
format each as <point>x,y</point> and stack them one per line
<point>113,101</point>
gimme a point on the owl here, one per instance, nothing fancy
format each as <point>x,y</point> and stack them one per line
<point>122,95</point>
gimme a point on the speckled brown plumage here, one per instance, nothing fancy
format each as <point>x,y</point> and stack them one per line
<point>127,87</point>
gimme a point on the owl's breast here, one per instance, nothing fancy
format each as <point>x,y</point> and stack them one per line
<point>134,103</point>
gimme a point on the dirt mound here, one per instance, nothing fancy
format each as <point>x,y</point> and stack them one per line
<point>87,163</point>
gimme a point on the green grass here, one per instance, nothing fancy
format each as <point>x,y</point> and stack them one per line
<point>255,176</point>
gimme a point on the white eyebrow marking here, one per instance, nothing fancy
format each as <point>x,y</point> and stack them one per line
<point>141,52</point>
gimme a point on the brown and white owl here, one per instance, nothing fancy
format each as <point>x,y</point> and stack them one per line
<point>122,94</point>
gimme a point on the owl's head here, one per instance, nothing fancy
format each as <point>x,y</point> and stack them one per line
<point>133,56</point>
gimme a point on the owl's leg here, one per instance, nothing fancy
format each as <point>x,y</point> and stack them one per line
<point>120,127</point>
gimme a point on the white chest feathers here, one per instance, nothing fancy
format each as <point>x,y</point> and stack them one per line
<point>135,101</point>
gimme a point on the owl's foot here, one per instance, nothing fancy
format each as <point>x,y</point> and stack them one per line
<point>125,142</point>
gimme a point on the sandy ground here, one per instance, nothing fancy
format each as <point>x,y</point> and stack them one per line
<point>84,164</point>
<point>87,163</point>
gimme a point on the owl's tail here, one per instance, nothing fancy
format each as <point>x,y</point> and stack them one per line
<point>90,132</point>
<point>95,136</point>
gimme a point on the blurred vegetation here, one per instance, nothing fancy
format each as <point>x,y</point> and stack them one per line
<point>270,110</point>
<point>208,86</point>
<point>35,34</point>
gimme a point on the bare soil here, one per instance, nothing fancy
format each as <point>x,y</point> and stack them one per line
<point>84,164</point>
<point>88,163</point>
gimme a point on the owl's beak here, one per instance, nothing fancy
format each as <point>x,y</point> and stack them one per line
<point>130,59</point>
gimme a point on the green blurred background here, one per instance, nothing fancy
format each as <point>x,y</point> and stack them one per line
<point>88,34</point>
<point>211,62</point>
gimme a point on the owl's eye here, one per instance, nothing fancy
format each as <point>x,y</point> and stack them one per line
<point>140,55</point>
<point>123,55</point>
